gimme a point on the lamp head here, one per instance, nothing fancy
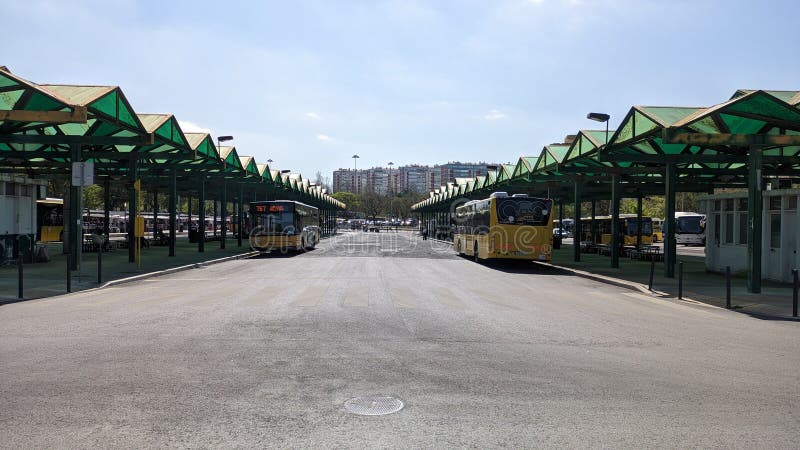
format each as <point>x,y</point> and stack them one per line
<point>224,138</point>
<point>598,117</point>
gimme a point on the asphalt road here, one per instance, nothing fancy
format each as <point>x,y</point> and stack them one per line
<point>264,353</point>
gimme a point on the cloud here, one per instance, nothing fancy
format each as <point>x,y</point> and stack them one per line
<point>313,115</point>
<point>190,127</point>
<point>324,138</point>
<point>495,114</point>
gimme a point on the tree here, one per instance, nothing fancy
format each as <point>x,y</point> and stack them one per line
<point>93,197</point>
<point>321,182</point>
<point>372,203</point>
<point>352,201</point>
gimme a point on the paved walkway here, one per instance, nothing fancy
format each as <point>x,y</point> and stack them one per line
<point>49,279</point>
<point>774,301</point>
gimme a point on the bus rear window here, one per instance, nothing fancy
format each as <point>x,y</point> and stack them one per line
<point>523,211</point>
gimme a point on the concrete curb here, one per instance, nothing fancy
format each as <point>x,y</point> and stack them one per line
<point>171,270</point>
<point>631,285</point>
<point>641,288</point>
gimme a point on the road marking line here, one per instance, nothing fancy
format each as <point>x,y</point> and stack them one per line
<point>403,298</point>
<point>263,296</point>
<point>310,296</point>
<point>446,297</point>
<point>357,297</point>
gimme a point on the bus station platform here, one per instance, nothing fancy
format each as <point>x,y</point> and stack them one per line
<point>47,279</point>
<point>774,302</point>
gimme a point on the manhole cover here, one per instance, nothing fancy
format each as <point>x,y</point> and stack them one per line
<point>373,405</point>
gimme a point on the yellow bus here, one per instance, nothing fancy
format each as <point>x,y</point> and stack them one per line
<point>50,219</point>
<point>283,225</point>
<point>627,227</point>
<point>503,226</point>
<point>658,231</point>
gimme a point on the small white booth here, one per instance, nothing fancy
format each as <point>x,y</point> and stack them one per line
<point>726,233</point>
<point>18,196</point>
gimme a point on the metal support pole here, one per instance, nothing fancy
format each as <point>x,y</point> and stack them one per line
<point>20,282</point>
<point>100,264</point>
<point>652,273</point>
<point>576,232</point>
<point>615,231</point>
<point>593,224</point>
<point>214,221</point>
<point>69,274</point>
<point>728,287</point>
<point>107,208</point>
<point>173,195</point>
<point>240,230</point>
<point>670,251</point>
<point>639,221</point>
<point>75,224</point>
<point>755,206</point>
<point>155,213</point>
<point>201,212</point>
<point>795,288</point>
<point>132,209</point>
<point>680,280</point>
<point>224,215</point>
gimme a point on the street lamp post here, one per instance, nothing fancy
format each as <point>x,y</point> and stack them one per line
<point>355,158</point>
<point>615,196</point>
<point>224,202</point>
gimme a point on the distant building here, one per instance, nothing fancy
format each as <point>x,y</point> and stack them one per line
<point>411,178</point>
<point>453,170</point>
<point>349,180</point>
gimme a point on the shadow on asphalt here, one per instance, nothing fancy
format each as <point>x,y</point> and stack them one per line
<point>278,255</point>
<point>522,266</point>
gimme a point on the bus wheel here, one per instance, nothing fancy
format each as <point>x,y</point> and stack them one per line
<point>475,256</point>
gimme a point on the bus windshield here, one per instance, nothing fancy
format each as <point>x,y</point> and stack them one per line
<point>632,227</point>
<point>523,211</point>
<point>276,222</point>
<point>690,225</point>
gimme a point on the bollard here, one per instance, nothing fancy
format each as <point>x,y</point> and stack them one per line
<point>728,287</point>
<point>680,280</point>
<point>100,265</point>
<point>794,292</point>
<point>19,276</point>
<point>652,271</point>
<point>69,276</point>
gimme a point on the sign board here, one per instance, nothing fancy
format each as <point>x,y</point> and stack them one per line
<point>83,173</point>
<point>138,230</point>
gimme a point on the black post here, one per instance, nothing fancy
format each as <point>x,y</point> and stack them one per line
<point>794,292</point>
<point>69,274</point>
<point>728,287</point>
<point>240,218</point>
<point>201,219</point>
<point>100,264</point>
<point>20,278</point>
<point>132,209</point>
<point>107,207</point>
<point>223,216</point>
<point>173,213</point>
<point>652,272</point>
<point>680,280</point>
